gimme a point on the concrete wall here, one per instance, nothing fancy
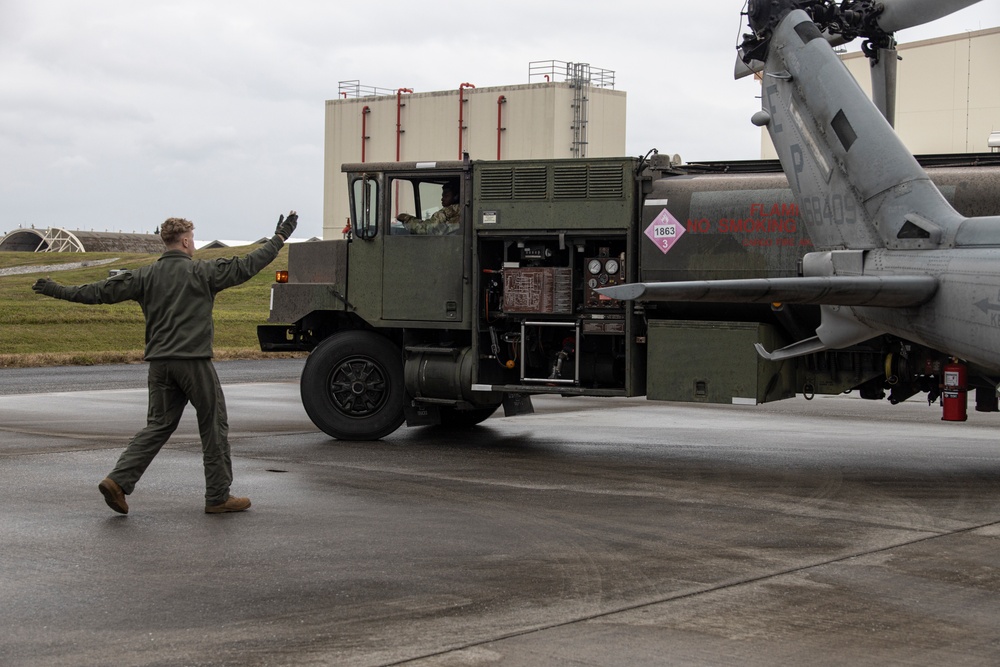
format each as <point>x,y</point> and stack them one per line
<point>948,93</point>
<point>536,122</point>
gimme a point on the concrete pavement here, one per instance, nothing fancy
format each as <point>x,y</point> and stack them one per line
<point>595,532</point>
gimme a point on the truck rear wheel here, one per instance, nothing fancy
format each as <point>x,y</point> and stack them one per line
<point>352,386</point>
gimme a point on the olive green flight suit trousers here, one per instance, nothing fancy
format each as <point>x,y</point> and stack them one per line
<point>172,384</point>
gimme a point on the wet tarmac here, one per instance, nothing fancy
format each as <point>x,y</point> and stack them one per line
<point>594,532</point>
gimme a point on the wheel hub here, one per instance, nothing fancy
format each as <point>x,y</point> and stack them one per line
<point>358,387</point>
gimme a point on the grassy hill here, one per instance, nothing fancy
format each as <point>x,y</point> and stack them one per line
<point>38,330</point>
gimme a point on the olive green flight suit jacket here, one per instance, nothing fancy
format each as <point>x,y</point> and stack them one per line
<point>176,294</point>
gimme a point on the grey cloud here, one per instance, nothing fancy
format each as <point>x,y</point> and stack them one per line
<point>136,111</point>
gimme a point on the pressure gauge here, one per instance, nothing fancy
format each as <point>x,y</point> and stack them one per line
<point>611,266</point>
<point>594,266</point>
<point>592,283</point>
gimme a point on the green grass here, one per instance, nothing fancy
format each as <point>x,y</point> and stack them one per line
<point>38,330</point>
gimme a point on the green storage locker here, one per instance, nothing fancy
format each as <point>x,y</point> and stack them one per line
<point>715,362</point>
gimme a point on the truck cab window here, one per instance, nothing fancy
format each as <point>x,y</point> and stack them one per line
<point>428,208</point>
<point>364,196</point>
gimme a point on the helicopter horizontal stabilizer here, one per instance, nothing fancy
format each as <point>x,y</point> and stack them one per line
<point>883,291</point>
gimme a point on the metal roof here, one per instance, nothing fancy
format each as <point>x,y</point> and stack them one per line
<point>56,239</point>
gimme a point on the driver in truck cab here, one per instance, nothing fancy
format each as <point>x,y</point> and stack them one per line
<point>443,222</point>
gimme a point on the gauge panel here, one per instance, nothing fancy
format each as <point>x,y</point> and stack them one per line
<point>603,272</point>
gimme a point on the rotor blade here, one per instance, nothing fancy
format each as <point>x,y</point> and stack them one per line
<point>897,15</point>
<point>902,14</point>
<point>742,69</point>
<point>884,291</point>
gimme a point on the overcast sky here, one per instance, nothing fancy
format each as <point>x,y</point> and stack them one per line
<point>116,114</point>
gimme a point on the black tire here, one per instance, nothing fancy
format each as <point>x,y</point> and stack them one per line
<point>352,386</point>
<point>452,418</point>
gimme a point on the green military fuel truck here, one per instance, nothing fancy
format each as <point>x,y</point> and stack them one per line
<point>448,325</point>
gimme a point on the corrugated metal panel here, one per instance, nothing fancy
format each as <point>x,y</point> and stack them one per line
<point>55,239</point>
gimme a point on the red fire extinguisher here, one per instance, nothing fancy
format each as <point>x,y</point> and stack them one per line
<point>954,394</point>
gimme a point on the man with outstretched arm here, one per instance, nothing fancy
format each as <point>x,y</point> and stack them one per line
<point>176,294</point>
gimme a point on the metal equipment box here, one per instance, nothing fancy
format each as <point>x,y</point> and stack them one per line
<point>714,362</point>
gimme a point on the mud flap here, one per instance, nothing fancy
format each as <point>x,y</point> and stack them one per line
<point>421,414</point>
<point>517,404</point>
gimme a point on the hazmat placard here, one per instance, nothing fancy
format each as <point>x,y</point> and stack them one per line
<point>664,231</point>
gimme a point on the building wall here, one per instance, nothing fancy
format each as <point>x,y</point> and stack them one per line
<point>536,122</point>
<point>947,94</point>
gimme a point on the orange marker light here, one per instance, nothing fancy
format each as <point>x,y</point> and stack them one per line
<point>281,276</point>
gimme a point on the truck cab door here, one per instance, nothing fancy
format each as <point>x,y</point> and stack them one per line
<point>423,277</point>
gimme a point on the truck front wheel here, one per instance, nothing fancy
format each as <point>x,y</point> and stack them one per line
<point>352,386</point>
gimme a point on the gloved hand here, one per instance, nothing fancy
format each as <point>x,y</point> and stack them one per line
<point>287,225</point>
<point>405,217</point>
<point>45,286</point>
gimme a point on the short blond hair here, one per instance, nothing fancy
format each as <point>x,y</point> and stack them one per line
<point>174,228</point>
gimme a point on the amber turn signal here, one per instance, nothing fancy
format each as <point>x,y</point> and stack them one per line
<point>281,276</point>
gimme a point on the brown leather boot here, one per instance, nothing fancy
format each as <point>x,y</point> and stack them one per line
<point>113,495</point>
<point>233,504</point>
